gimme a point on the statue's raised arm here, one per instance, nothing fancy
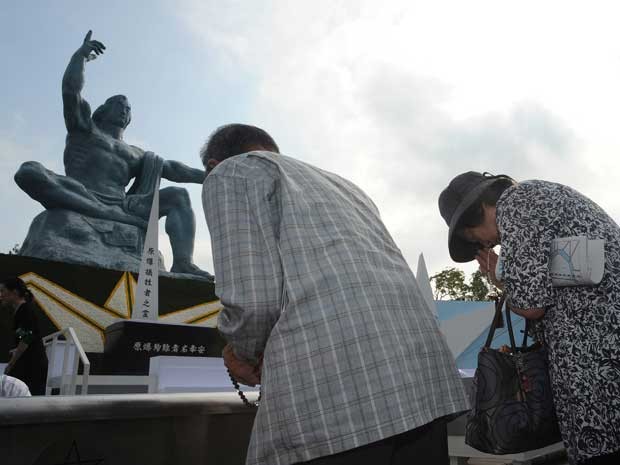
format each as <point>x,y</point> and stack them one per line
<point>76,110</point>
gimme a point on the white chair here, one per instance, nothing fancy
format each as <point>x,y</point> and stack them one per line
<point>63,357</point>
<point>63,361</point>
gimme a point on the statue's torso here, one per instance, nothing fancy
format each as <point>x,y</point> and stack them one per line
<point>101,163</point>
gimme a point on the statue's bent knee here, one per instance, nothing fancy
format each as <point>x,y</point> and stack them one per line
<point>28,173</point>
<point>179,196</point>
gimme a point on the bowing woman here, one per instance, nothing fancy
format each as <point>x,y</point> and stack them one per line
<point>580,325</point>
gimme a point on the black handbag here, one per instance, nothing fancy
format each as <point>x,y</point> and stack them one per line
<point>512,403</point>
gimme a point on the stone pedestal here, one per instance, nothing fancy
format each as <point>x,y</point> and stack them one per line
<point>130,344</point>
<point>92,300</point>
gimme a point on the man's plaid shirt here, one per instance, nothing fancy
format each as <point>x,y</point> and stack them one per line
<point>309,276</point>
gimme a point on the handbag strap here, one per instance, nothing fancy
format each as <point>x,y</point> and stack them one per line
<point>499,303</point>
<point>526,331</point>
<point>511,333</point>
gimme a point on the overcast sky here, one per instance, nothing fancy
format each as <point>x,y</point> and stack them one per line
<point>397,96</point>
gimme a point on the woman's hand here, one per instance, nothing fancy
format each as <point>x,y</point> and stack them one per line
<point>487,259</point>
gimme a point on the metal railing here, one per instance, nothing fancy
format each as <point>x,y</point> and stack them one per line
<point>68,374</point>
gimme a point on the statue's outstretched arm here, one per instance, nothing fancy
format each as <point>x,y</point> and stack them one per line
<point>176,171</point>
<point>77,110</point>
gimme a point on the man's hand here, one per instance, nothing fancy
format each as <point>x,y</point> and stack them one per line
<point>243,372</point>
<point>90,49</point>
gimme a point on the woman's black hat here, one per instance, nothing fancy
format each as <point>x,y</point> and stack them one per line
<point>462,192</point>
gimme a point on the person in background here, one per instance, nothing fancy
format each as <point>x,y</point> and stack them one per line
<point>354,367</point>
<point>580,325</point>
<point>13,387</point>
<point>28,360</point>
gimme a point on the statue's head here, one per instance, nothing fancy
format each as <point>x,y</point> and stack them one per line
<point>115,111</point>
<point>235,139</point>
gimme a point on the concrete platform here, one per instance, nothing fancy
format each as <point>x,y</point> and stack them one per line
<point>154,429</point>
<point>165,429</point>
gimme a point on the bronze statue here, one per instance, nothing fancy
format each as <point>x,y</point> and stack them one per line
<point>99,166</point>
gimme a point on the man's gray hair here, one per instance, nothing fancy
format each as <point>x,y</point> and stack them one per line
<point>235,139</point>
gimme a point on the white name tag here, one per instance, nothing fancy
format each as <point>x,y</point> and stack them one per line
<point>573,261</point>
<point>577,261</point>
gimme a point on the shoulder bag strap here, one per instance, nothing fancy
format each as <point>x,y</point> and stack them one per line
<point>511,334</point>
<point>525,334</point>
<point>499,303</point>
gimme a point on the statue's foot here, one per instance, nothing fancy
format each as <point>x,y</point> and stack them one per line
<point>190,268</point>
